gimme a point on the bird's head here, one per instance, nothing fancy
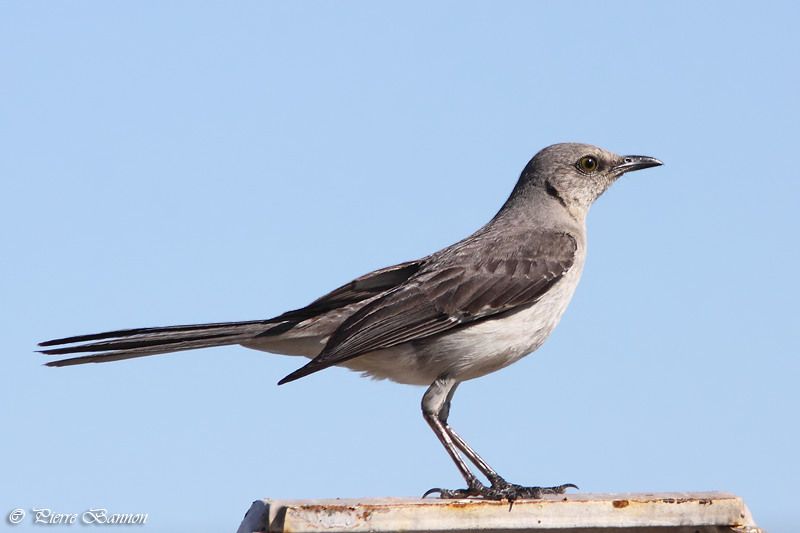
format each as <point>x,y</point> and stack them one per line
<point>577,174</point>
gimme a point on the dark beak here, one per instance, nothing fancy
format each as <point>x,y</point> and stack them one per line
<point>637,162</point>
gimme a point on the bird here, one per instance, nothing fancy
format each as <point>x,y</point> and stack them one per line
<point>463,312</point>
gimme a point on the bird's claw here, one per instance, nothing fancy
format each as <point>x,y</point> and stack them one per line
<point>500,490</point>
<point>447,494</point>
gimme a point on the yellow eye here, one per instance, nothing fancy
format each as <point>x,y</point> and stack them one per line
<point>587,163</point>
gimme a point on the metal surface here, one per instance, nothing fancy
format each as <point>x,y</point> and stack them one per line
<point>684,512</point>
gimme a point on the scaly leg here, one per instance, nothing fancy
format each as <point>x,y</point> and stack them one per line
<point>436,410</point>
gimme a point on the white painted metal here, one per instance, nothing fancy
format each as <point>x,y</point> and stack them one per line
<point>670,512</point>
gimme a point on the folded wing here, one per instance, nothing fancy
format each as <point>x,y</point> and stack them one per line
<point>478,283</point>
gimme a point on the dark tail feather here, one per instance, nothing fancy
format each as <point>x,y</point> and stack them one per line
<point>161,331</point>
<point>141,342</point>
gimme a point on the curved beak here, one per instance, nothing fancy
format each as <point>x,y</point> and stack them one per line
<point>637,162</point>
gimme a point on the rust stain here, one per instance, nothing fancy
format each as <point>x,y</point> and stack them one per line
<point>620,504</point>
<point>455,504</point>
<point>336,516</point>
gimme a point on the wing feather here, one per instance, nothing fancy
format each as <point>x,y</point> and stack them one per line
<point>472,285</point>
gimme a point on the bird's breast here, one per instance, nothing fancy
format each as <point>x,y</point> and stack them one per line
<point>477,349</point>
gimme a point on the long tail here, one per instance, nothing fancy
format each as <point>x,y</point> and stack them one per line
<point>130,343</point>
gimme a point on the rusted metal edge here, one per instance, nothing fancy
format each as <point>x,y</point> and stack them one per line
<point>573,511</point>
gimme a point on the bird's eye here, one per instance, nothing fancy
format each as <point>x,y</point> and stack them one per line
<point>587,163</point>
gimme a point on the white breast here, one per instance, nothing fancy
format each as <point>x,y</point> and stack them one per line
<point>465,353</point>
<point>475,350</point>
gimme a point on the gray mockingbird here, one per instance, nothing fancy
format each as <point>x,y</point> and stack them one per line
<point>457,314</point>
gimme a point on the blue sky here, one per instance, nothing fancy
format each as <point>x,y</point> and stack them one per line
<point>198,162</point>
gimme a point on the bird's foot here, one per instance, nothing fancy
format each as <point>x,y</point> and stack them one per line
<point>500,490</point>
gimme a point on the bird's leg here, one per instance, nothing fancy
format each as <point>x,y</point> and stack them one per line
<point>434,403</point>
<point>493,477</point>
<point>472,455</point>
<point>436,410</point>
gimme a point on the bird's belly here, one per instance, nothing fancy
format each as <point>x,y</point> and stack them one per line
<point>474,350</point>
<point>468,352</point>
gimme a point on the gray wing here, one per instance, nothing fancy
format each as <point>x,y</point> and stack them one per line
<point>359,290</point>
<point>455,290</point>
